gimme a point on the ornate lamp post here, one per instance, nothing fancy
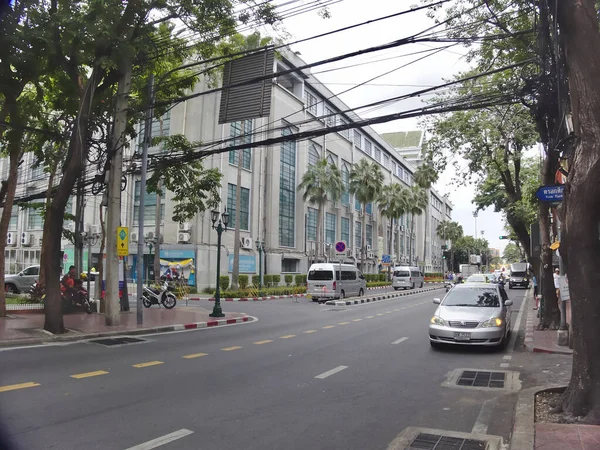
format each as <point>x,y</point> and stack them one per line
<point>220,227</point>
<point>260,246</point>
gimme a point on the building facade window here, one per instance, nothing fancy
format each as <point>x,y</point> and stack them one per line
<point>149,206</point>
<point>345,184</point>
<point>13,225</point>
<point>311,103</point>
<point>311,224</point>
<point>345,133</point>
<point>289,265</point>
<point>35,221</point>
<point>332,158</point>
<point>356,204</point>
<point>369,208</point>
<point>314,153</point>
<point>345,230</point>
<point>368,148</point>
<point>330,117</point>
<point>378,155</point>
<point>369,235</point>
<point>244,206</point>
<point>330,228</point>
<point>241,132</point>
<point>402,244</point>
<point>358,235</point>
<point>37,170</point>
<point>386,161</point>
<point>287,191</point>
<point>357,139</point>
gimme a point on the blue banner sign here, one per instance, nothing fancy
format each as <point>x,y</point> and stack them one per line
<point>550,194</point>
<point>247,263</point>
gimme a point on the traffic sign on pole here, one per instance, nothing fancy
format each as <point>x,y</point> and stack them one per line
<point>340,247</point>
<point>122,241</point>
<point>386,260</point>
<point>550,194</point>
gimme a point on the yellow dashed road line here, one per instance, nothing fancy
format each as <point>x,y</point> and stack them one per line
<point>310,331</point>
<point>89,374</point>
<point>148,364</point>
<point>287,336</point>
<point>13,387</point>
<point>379,314</point>
<point>194,355</point>
<point>343,323</point>
<point>369,317</point>
<point>230,349</point>
<point>356,320</point>
<point>266,341</point>
<point>328,327</point>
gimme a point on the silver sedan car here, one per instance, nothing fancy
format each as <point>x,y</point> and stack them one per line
<point>471,314</point>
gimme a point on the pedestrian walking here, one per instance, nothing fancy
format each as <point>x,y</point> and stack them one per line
<point>535,292</point>
<point>557,284</point>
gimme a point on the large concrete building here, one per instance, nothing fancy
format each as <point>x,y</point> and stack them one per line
<point>272,209</point>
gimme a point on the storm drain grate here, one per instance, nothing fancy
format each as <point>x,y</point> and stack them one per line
<point>482,379</point>
<point>425,441</point>
<point>117,341</point>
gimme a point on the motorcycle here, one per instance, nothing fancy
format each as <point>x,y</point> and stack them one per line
<point>80,298</point>
<point>163,296</point>
<point>448,285</point>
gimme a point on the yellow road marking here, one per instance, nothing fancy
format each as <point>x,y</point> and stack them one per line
<point>310,331</point>
<point>343,323</point>
<point>194,355</point>
<point>148,364</point>
<point>12,387</point>
<point>89,374</point>
<point>369,317</point>
<point>229,349</point>
<point>356,320</point>
<point>328,327</point>
<point>397,309</point>
<point>379,314</point>
<point>287,336</point>
<point>388,312</point>
<point>263,342</point>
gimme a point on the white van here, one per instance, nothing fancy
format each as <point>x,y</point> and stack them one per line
<point>323,281</point>
<point>407,277</point>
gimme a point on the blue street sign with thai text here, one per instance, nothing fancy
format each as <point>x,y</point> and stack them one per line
<point>550,194</point>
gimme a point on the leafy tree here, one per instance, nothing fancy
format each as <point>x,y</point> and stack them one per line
<point>321,183</point>
<point>366,182</point>
<point>468,245</point>
<point>450,231</point>
<point>393,204</point>
<point>424,177</point>
<point>512,253</point>
<point>417,204</point>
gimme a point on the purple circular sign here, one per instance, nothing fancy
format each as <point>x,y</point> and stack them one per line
<point>340,247</point>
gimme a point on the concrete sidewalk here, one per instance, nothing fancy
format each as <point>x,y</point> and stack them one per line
<point>27,329</point>
<point>542,341</point>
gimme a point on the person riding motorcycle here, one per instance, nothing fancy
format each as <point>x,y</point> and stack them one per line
<point>68,287</point>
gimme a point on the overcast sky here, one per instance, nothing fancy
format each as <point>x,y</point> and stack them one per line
<point>427,72</point>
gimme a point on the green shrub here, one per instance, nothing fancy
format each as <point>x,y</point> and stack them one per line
<point>300,279</point>
<point>268,280</point>
<point>266,292</point>
<point>276,279</point>
<point>288,279</point>
<point>208,290</point>
<point>224,282</point>
<point>243,281</point>
<point>193,289</point>
<point>255,280</point>
<point>378,284</point>
<point>381,277</point>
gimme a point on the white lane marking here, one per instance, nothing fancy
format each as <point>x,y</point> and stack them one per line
<point>399,341</point>
<point>331,372</point>
<point>160,441</point>
<point>507,357</point>
<point>484,418</point>
<point>504,364</point>
<point>517,325</point>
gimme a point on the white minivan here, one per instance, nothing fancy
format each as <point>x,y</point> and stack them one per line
<point>323,281</point>
<point>407,277</point>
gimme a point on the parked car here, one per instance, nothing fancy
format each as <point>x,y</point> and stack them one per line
<point>471,314</point>
<point>22,281</point>
<point>407,277</point>
<point>324,281</point>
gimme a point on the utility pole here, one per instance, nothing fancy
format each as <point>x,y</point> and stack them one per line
<point>113,218</point>
<point>158,215</point>
<point>140,246</point>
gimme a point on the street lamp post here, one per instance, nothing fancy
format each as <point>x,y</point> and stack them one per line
<point>220,227</point>
<point>260,246</point>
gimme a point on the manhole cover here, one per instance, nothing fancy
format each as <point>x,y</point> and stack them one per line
<point>110,342</point>
<point>482,379</point>
<point>425,441</point>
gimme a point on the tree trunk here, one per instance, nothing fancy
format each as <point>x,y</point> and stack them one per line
<point>101,257</point>
<point>48,200</point>
<point>15,150</point>
<point>363,238</point>
<point>550,311</point>
<point>53,223</point>
<point>410,239</point>
<point>238,217</point>
<point>319,237</point>
<point>580,245</point>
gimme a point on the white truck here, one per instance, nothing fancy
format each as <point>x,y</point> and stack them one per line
<point>467,270</point>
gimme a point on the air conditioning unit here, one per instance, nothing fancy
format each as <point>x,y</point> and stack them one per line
<point>96,229</point>
<point>25,239</point>
<point>246,243</point>
<point>133,237</point>
<point>40,242</point>
<point>149,235</point>
<point>11,238</point>
<point>402,228</point>
<point>371,255</point>
<point>183,237</point>
<point>185,226</point>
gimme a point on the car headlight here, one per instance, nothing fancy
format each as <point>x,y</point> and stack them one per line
<point>437,320</point>
<point>494,322</point>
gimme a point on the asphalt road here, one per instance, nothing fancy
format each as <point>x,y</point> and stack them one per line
<point>303,376</point>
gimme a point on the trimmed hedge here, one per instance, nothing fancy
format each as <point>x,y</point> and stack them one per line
<point>255,280</point>
<point>288,277</point>
<point>243,281</point>
<point>276,279</point>
<point>224,282</point>
<point>375,277</point>
<point>266,292</point>
<point>300,279</point>
<point>378,284</point>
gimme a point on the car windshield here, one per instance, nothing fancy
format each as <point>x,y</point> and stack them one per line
<point>402,273</point>
<point>473,297</point>
<point>518,274</point>
<point>320,275</point>
<point>477,279</point>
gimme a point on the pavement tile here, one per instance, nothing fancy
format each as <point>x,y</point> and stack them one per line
<point>557,436</point>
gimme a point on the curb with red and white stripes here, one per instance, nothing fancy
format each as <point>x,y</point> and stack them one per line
<point>380,297</point>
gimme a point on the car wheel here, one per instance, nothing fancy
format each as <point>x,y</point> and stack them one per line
<point>435,345</point>
<point>510,286</point>
<point>342,294</point>
<point>315,299</point>
<point>413,286</point>
<point>361,292</point>
<point>421,285</point>
<point>10,289</point>
<point>396,288</point>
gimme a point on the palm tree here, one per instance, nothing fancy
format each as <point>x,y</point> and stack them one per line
<point>366,181</point>
<point>393,203</point>
<point>418,204</point>
<point>320,183</point>
<point>424,178</point>
<point>450,231</point>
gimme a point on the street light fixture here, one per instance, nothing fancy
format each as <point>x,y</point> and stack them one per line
<point>260,246</point>
<point>220,227</point>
